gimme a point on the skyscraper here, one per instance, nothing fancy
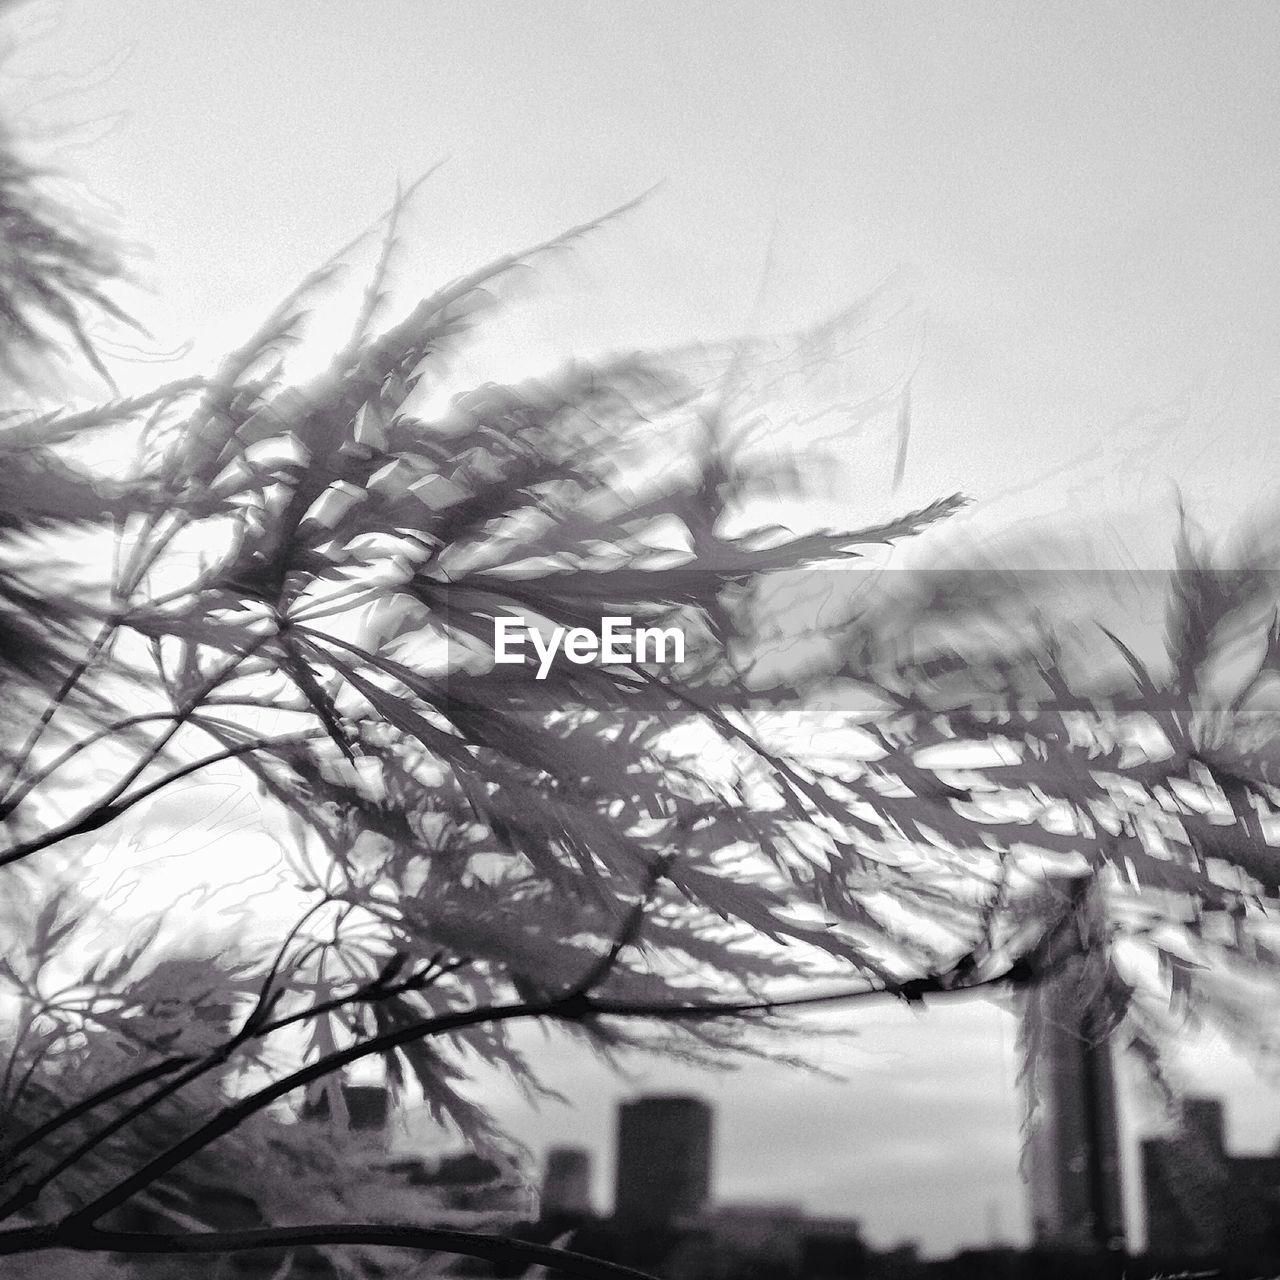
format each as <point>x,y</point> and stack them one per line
<point>566,1186</point>
<point>1202,1200</point>
<point>1187,1184</point>
<point>664,1160</point>
<point>368,1107</point>
<point>1072,1151</point>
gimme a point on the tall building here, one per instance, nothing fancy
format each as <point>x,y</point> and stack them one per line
<point>664,1160</point>
<point>368,1107</point>
<point>566,1185</point>
<point>1072,1153</point>
<point>1184,1184</point>
<point>1202,1201</point>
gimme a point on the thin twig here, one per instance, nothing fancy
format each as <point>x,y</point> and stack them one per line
<point>73,678</point>
<point>627,934</point>
<point>466,1244</point>
<point>107,811</point>
<point>83,744</point>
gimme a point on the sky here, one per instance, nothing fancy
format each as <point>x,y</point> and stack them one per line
<point>1079,201</point>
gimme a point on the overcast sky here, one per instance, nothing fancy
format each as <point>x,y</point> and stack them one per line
<point>1082,199</point>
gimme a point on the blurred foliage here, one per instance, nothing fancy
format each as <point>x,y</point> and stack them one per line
<point>305,580</point>
<point>55,274</point>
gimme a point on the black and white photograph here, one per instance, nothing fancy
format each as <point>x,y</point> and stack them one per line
<point>640,639</point>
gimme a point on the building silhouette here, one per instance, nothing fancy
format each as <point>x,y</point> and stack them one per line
<point>1201,1201</point>
<point>566,1184</point>
<point>664,1160</point>
<point>368,1107</point>
<point>665,1222</point>
<point>1072,1152</point>
<point>783,1241</point>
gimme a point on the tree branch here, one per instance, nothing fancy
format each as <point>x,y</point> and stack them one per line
<point>627,934</point>
<point>573,1007</point>
<point>23,754</point>
<point>424,1239</point>
<point>197,1067</point>
<point>19,794</point>
<point>95,1100</point>
<point>912,990</point>
<point>235,1114</point>
<point>108,810</point>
